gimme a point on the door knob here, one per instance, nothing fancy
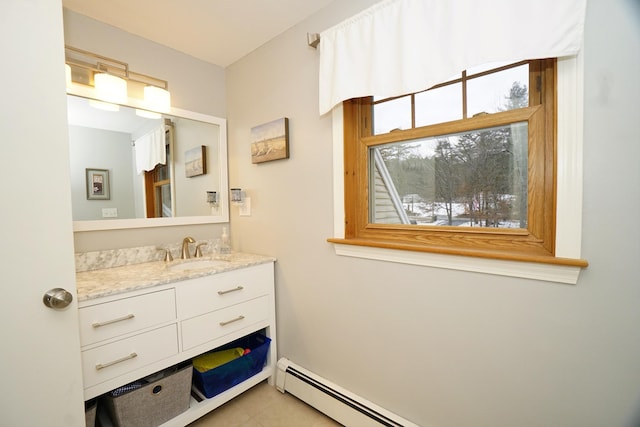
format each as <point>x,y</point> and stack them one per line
<point>57,298</point>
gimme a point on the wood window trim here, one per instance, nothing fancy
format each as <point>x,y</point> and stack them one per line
<point>152,186</point>
<point>536,244</point>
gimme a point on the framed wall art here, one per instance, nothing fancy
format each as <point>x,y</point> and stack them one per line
<point>270,141</point>
<point>195,161</point>
<point>97,184</point>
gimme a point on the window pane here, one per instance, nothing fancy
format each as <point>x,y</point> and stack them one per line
<point>440,105</point>
<point>163,197</point>
<point>502,91</point>
<point>472,179</point>
<point>390,115</point>
<point>162,171</point>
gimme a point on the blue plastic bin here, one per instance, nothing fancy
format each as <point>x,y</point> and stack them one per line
<point>217,380</point>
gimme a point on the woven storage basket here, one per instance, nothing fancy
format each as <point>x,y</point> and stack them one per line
<point>151,404</point>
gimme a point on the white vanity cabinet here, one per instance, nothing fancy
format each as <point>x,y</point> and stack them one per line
<point>129,335</point>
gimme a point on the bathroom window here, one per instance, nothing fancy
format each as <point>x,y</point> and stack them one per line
<point>467,167</point>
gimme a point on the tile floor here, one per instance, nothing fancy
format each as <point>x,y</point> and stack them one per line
<point>264,406</point>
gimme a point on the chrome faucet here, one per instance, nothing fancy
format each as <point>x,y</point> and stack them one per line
<point>185,247</point>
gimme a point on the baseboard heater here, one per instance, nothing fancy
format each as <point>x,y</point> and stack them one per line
<point>343,406</point>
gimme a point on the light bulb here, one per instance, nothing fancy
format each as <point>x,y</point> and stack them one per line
<point>110,88</point>
<point>148,114</point>
<point>157,99</point>
<point>106,106</point>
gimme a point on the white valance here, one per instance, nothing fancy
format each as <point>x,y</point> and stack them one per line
<point>150,150</point>
<point>402,46</point>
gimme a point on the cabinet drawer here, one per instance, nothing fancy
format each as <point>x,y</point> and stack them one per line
<point>216,324</point>
<point>110,360</point>
<point>112,319</point>
<point>214,292</point>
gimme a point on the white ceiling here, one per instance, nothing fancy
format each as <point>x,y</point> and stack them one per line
<point>215,31</point>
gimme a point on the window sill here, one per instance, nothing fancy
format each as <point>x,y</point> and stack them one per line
<point>552,269</point>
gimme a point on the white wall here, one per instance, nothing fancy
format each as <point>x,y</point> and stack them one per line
<point>439,347</point>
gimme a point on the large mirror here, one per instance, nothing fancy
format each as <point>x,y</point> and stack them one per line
<point>117,177</point>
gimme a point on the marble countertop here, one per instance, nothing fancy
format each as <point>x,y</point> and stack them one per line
<point>111,281</point>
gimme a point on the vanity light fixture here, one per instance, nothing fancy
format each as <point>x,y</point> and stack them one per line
<point>113,82</point>
<point>110,88</point>
<point>148,114</point>
<point>157,98</point>
<point>106,106</point>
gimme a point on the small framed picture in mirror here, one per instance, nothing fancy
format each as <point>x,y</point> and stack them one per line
<point>195,161</point>
<point>97,184</point>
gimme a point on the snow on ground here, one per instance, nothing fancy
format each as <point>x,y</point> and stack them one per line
<point>421,210</point>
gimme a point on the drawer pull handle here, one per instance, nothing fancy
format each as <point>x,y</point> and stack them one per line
<point>108,322</point>
<point>228,291</point>
<point>122,359</point>
<point>232,320</point>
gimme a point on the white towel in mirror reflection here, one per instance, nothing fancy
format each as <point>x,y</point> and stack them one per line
<point>150,150</point>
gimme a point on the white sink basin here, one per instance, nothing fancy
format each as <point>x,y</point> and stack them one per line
<point>197,264</point>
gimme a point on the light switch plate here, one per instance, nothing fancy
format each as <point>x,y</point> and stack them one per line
<point>109,212</point>
<point>245,208</point>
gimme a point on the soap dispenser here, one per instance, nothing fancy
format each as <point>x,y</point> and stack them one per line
<point>225,243</point>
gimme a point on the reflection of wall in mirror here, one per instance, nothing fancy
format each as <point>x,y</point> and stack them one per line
<point>94,148</point>
<point>191,192</point>
<point>100,149</point>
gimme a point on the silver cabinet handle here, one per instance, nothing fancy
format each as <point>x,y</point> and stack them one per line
<point>228,291</point>
<point>232,320</point>
<point>122,359</point>
<point>108,322</point>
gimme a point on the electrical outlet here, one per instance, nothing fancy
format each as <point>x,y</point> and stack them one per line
<point>245,208</point>
<point>109,212</point>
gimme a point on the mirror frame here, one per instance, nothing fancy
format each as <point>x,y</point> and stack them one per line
<point>223,178</point>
